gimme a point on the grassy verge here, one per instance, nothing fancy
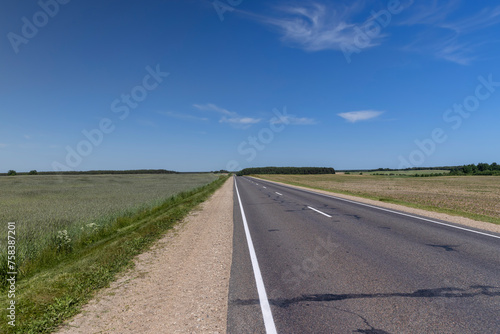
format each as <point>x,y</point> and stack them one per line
<point>389,199</point>
<point>56,291</point>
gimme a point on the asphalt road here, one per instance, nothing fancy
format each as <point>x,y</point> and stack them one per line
<point>331,266</point>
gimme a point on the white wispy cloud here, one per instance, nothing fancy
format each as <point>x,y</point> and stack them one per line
<point>229,117</point>
<point>182,116</point>
<point>3,145</point>
<point>487,17</point>
<point>362,115</point>
<point>428,12</point>
<point>315,26</point>
<point>459,53</point>
<point>450,39</point>
<point>213,107</point>
<point>293,120</point>
<point>240,120</point>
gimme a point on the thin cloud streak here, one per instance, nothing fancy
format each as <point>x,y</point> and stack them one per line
<point>240,120</point>
<point>457,53</point>
<point>181,116</point>
<point>229,117</point>
<point>362,115</point>
<point>316,27</point>
<point>212,107</point>
<point>292,120</point>
<point>429,14</point>
<point>447,35</point>
<point>485,18</point>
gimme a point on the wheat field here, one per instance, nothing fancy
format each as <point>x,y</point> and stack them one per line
<point>45,207</point>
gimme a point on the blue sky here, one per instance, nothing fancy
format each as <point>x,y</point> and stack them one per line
<point>203,85</point>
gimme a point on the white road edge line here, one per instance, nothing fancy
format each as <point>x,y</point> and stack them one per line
<point>324,214</point>
<point>278,193</point>
<point>264,303</point>
<point>392,211</point>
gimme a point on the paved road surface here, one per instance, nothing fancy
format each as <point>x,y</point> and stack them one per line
<point>331,266</point>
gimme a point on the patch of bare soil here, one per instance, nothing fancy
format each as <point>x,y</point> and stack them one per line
<point>179,286</point>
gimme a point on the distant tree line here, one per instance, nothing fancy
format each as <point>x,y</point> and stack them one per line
<point>479,169</point>
<point>351,171</point>
<point>411,175</point>
<point>222,171</point>
<point>286,170</point>
<point>93,172</point>
<point>416,168</point>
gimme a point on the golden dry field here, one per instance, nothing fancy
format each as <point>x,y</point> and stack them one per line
<point>476,197</point>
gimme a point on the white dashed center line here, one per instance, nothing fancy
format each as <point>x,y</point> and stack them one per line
<point>324,214</point>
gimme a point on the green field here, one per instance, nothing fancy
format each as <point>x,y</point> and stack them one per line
<point>73,237</point>
<point>476,197</point>
<point>41,206</point>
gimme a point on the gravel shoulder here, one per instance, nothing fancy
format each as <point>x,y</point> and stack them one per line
<point>467,222</point>
<point>179,286</point>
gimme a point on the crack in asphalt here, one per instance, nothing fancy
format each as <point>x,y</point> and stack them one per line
<point>448,248</point>
<point>372,329</point>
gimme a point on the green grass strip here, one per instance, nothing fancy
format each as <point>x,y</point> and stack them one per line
<point>57,291</point>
